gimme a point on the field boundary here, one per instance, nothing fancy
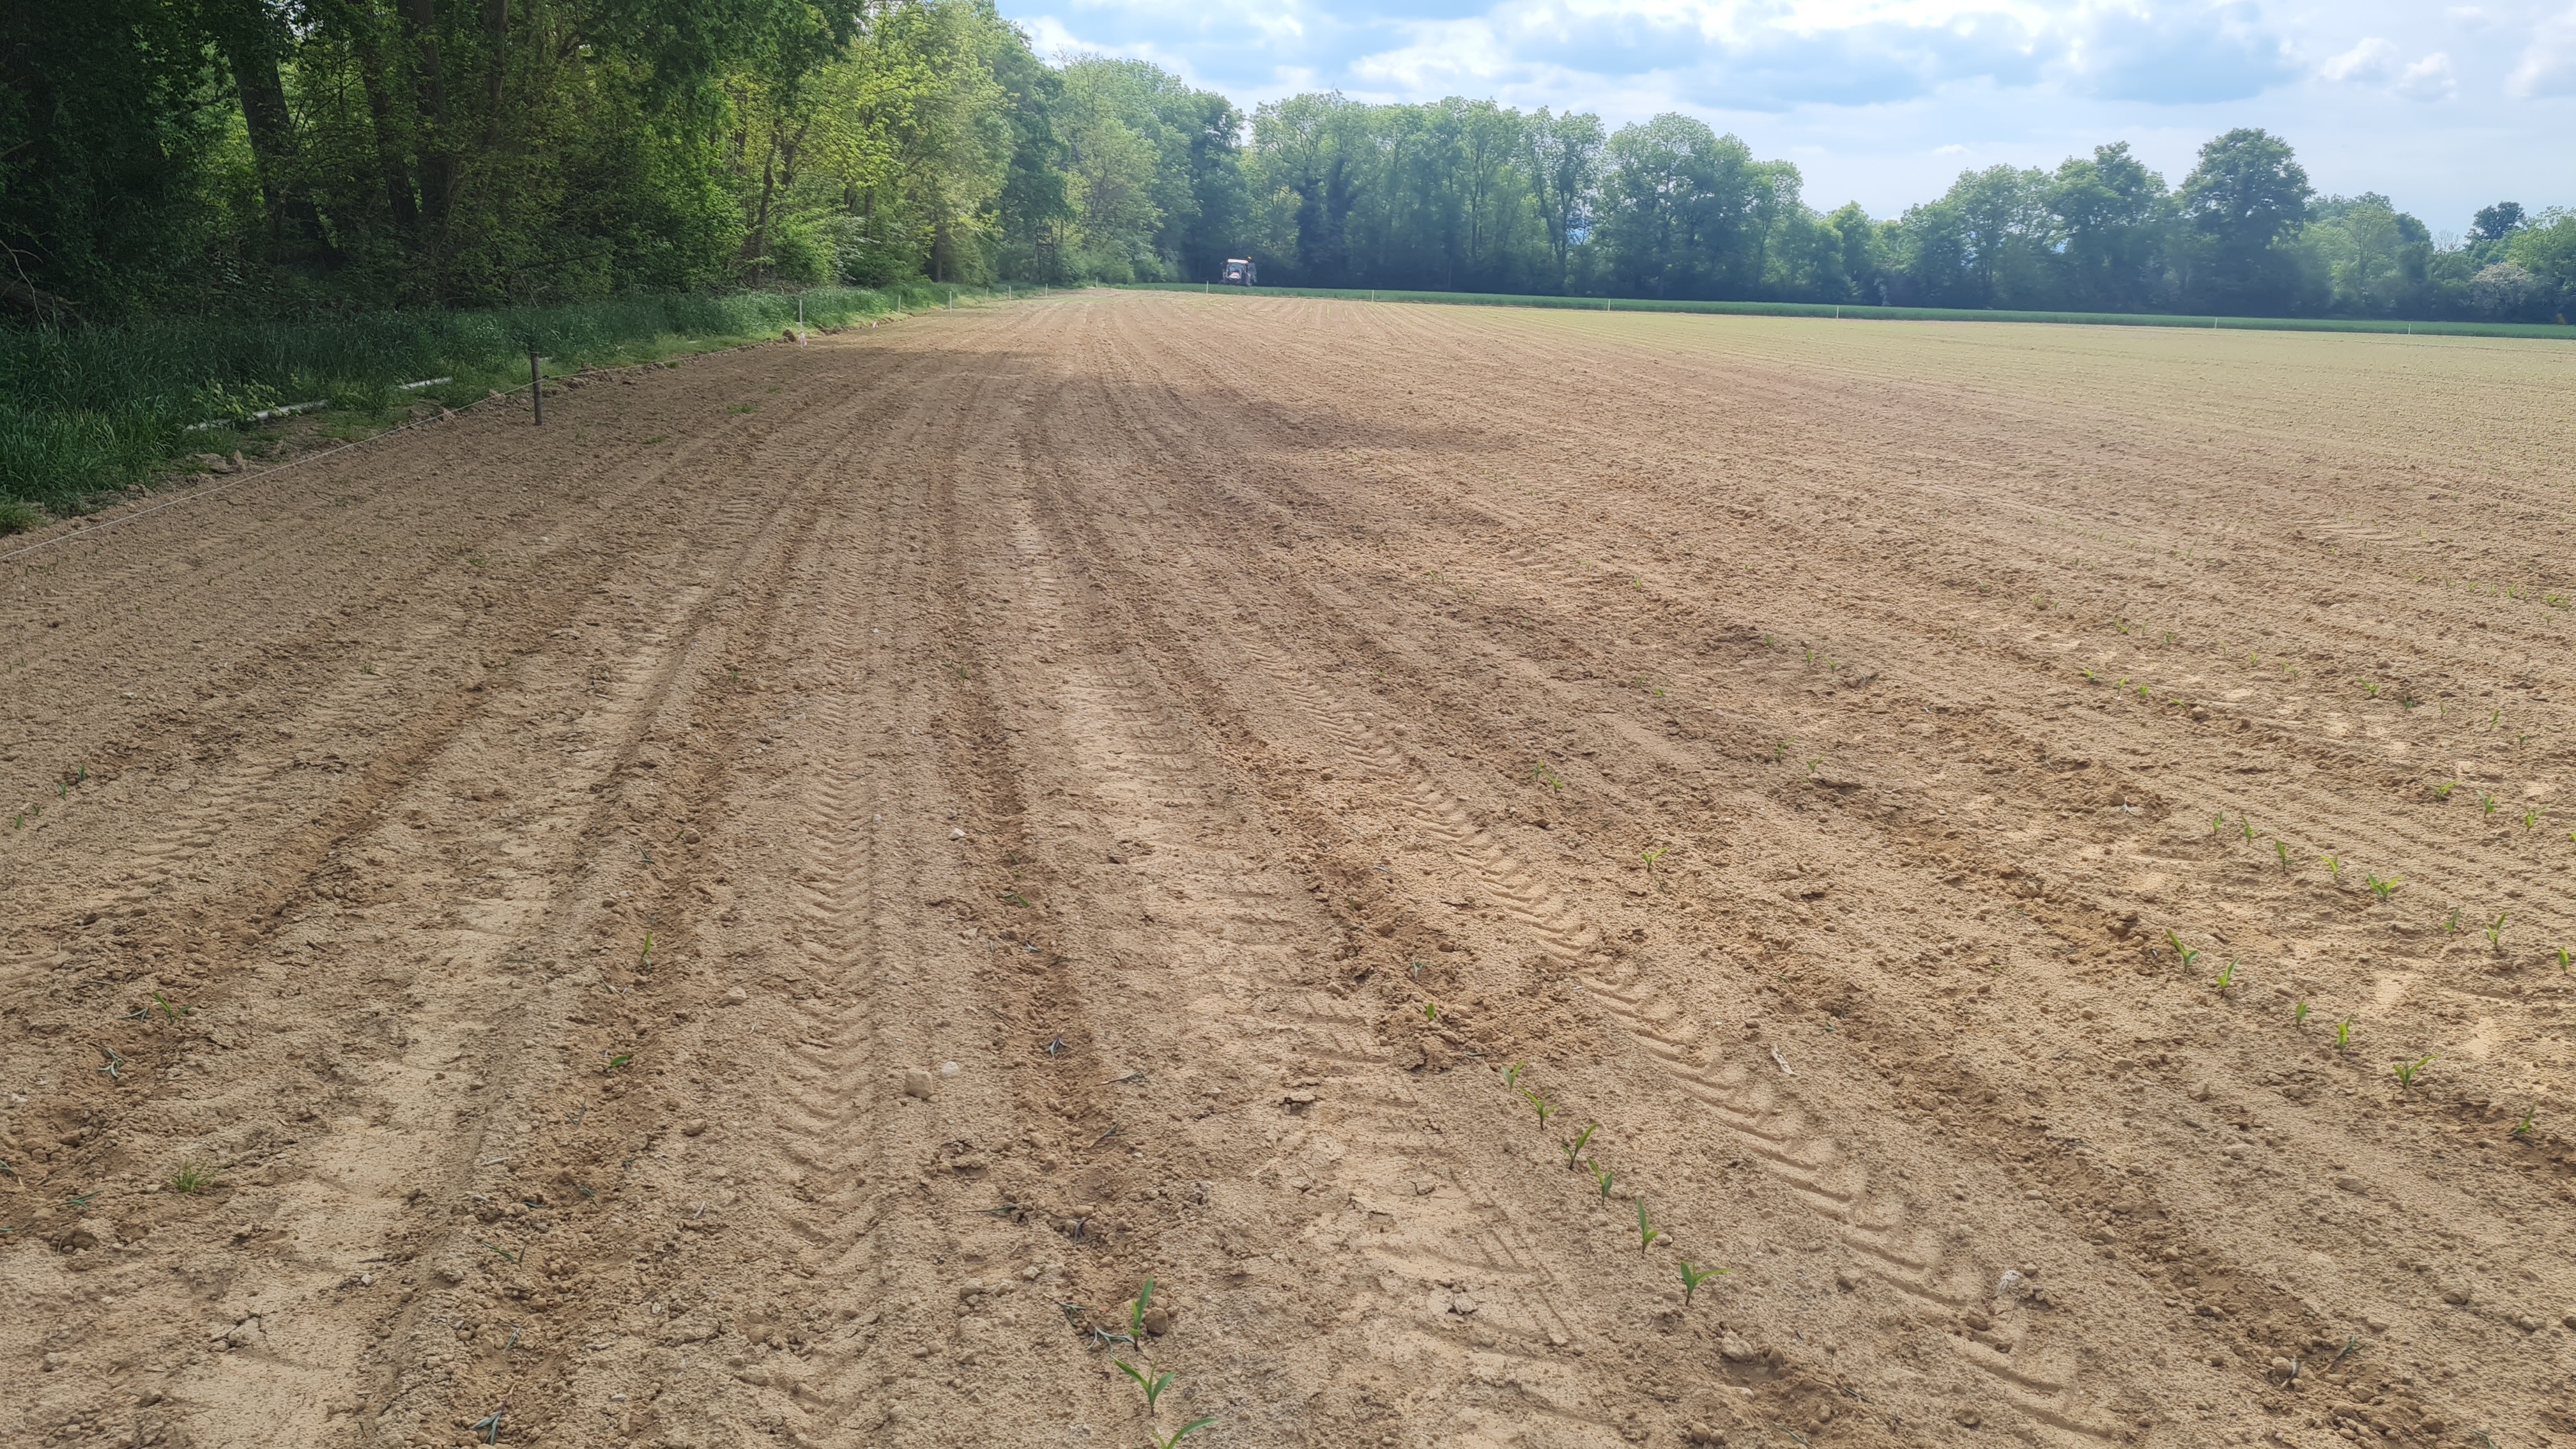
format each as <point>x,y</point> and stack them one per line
<point>1851,312</point>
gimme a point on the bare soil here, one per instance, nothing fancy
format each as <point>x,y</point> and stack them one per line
<point>765,910</point>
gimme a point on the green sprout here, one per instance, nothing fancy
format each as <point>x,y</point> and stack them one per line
<point>1183,1432</point>
<point>1547,777</point>
<point>1153,1387</point>
<point>1431,1012</point>
<point>1652,856</point>
<point>1136,1321</point>
<point>2443,790</point>
<point>2530,818</point>
<point>1572,1147</point>
<point>2282,851</point>
<point>2215,821</point>
<point>646,955</point>
<point>2452,924</point>
<point>2227,978</point>
<point>2343,1034</point>
<point>2188,954</point>
<point>2334,866</point>
<point>2298,1013</point>
<point>190,1178</point>
<point>1542,1105</point>
<point>2385,886</point>
<point>168,1010</point>
<point>617,1061</point>
<point>2486,804</point>
<point>2563,960</point>
<point>1602,1177</point>
<point>1647,1232</point>
<point>1693,1277</point>
<point>2495,932</point>
<point>1512,1074</point>
<point>2523,1127</point>
<point>2407,1072</point>
<point>2246,824</point>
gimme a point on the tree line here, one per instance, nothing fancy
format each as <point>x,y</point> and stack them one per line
<point>343,155</point>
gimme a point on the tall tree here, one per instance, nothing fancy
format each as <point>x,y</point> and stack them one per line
<point>1565,177</point>
<point>2247,193</point>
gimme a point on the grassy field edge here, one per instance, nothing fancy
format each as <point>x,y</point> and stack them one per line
<point>91,415</point>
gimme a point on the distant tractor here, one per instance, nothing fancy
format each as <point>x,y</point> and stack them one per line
<point>1238,273</point>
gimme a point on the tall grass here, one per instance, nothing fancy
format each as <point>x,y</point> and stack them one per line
<point>88,411</point>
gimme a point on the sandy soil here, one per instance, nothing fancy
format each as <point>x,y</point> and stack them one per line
<point>766,910</point>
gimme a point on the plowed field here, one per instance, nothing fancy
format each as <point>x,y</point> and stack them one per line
<point>766,909</point>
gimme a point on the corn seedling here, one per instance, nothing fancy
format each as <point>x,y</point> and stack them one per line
<point>504,1254</point>
<point>617,1061</point>
<point>2216,821</point>
<point>115,1066</point>
<point>1431,1012</point>
<point>1647,1232</point>
<point>2343,1034</point>
<point>2187,953</point>
<point>1547,777</point>
<point>2494,719</point>
<point>1652,856</point>
<point>2370,687</point>
<point>1183,1432</point>
<point>1573,1146</point>
<point>1539,1104</point>
<point>1136,1319</point>
<point>1153,1387</point>
<point>2452,925</point>
<point>2227,978</point>
<point>2443,790</point>
<point>2334,866</point>
<point>2486,804</point>
<point>2530,818</point>
<point>2407,1072</point>
<point>2495,932</point>
<point>1693,1277</point>
<point>2246,824</point>
<point>190,1178</point>
<point>1602,1177</point>
<point>1779,750</point>
<point>2384,886</point>
<point>2298,1013</point>
<point>2283,851</point>
<point>1512,1074</point>
<point>2563,960</point>
<point>646,955</point>
<point>2523,1127</point>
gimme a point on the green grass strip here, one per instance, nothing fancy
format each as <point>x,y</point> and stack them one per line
<point>1856,312</point>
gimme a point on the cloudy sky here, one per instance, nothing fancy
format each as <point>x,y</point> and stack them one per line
<point>2443,107</point>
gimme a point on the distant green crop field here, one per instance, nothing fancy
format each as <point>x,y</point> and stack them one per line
<point>1898,314</point>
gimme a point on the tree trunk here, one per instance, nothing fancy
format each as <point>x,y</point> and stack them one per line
<point>437,160</point>
<point>366,44</point>
<point>249,42</point>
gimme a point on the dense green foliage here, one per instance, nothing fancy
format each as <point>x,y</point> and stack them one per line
<point>328,156</point>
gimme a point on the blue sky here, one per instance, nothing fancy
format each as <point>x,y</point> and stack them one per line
<point>2442,107</point>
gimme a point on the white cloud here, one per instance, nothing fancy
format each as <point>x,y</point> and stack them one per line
<point>2372,60</point>
<point>2429,79</point>
<point>2548,65</point>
